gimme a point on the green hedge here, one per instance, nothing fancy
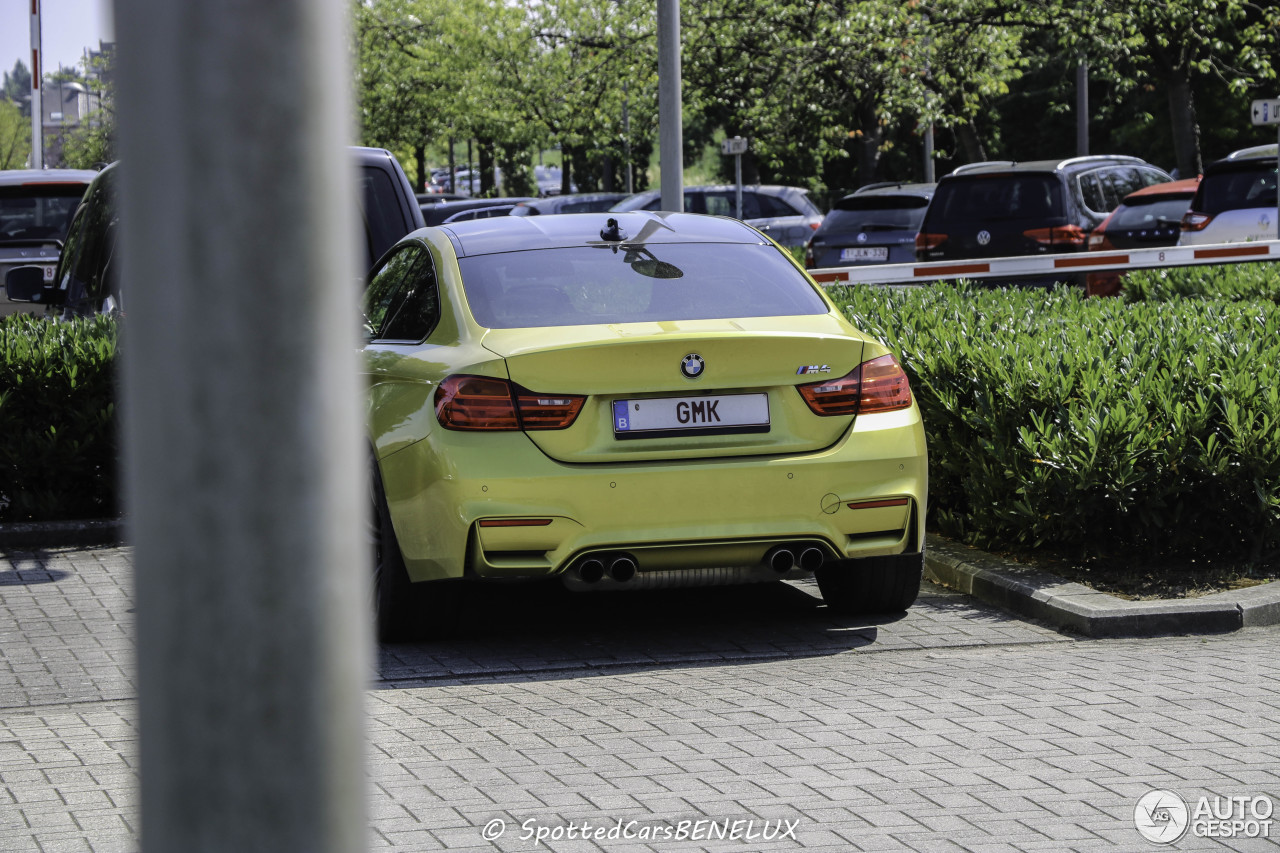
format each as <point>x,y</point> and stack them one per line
<point>58,444</point>
<point>1232,283</point>
<point>1093,426</point>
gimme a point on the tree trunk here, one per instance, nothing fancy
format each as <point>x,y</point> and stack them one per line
<point>971,143</point>
<point>566,169</point>
<point>420,154</point>
<point>484,150</point>
<point>1182,118</point>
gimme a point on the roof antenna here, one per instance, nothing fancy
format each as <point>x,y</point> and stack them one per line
<point>611,233</point>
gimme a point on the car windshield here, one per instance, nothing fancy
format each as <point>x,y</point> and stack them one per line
<point>1150,213</point>
<point>39,211</point>
<point>876,213</point>
<point>1232,189</point>
<point>983,198</point>
<point>631,284</point>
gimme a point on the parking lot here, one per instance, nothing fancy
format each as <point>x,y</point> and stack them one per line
<point>720,719</point>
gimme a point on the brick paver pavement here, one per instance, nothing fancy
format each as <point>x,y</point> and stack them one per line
<point>954,727</point>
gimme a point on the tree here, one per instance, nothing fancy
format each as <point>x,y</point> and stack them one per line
<point>15,136</point>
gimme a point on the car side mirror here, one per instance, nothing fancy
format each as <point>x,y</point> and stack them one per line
<point>26,284</point>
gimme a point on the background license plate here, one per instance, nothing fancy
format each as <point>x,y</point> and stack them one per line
<point>726,413</point>
<point>875,253</point>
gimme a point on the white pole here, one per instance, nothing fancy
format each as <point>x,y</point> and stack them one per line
<point>243,437</point>
<point>670,130</point>
<point>37,104</point>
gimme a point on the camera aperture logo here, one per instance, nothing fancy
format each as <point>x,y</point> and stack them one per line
<point>1163,817</point>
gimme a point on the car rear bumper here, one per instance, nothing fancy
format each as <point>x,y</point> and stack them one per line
<point>493,506</point>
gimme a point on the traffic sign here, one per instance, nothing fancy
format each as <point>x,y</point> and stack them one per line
<point>734,145</point>
<point>1266,111</point>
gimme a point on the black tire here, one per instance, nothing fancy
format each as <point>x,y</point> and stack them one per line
<point>871,584</point>
<point>404,611</point>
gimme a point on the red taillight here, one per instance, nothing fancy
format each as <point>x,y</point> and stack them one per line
<point>1059,235</point>
<point>925,242</point>
<point>1192,221</point>
<point>486,403</point>
<point>879,385</point>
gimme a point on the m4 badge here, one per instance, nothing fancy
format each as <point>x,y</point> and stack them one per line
<point>813,368</point>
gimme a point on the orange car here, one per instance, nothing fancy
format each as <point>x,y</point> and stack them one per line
<point>1145,219</point>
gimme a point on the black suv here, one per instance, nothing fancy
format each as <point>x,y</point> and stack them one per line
<point>1003,209</point>
<point>87,277</point>
<point>877,224</point>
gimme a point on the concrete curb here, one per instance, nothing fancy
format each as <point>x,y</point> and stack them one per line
<point>56,534</point>
<point>1048,598</point>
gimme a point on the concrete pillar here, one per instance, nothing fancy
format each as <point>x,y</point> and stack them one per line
<point>244,465</point>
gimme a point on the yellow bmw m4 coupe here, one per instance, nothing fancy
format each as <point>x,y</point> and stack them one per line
<point>629,401</point>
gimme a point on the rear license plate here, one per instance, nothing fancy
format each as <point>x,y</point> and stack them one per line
<point>865,255</point>
<point>668,416</point>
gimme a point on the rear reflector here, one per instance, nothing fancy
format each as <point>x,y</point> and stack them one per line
<point>515,522</point>
<point>880,504</point>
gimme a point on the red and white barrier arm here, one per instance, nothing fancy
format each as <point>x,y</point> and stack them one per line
<point>1042,266</point>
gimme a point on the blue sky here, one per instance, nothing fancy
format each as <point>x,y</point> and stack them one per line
<point>67,27</point>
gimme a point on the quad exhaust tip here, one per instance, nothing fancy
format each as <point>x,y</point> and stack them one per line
<point>622,568</point>
<point>783,559</point>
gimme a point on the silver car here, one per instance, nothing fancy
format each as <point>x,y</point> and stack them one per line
<point>36,206</point>
<point>1236,200</point>
<point>784,213</point>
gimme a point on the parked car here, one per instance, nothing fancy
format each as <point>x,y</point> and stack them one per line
<point>1236,200</point>
<point>36,206</point>
<point>629,401</point>
<point>1147,218</point>
<point>784,213</point>
<point>86,278</point>
<point>1004,209</point>
<point>877,224</point>
<point>572,203</point>
<point>448,211</point>
<point>550,180</point>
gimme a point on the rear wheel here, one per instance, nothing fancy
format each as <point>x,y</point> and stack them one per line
<point>404,611</point>
<point>871,584</point>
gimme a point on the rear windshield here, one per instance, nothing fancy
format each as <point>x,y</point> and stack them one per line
<point>877,213</point>
<point>1253,186</point>
<point>1153,213</point>
<point>38,211</point>
<point>586,285</point>
<point>996,198</point>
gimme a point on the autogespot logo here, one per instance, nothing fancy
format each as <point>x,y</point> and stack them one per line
<point>1161,816</point>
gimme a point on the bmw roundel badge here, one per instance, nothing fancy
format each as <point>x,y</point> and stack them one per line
<point>691,365</point>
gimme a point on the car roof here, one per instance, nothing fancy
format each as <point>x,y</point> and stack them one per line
<point>891,189</point>
<point>1186,186</point>
<point>1005,166</point>
<point>566,230</point>
<point>1257,152</point>
<point>23,177</point>
<point>774,188</point>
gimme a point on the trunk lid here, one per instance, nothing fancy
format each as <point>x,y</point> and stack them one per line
<point>742,401</point>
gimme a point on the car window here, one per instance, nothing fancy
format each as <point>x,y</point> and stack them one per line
<point>1151,177</point>
<point>88,246</point>
<point>1251,186</point>
<point>876,213</point>
<point>771,206</point>
<point>725,203</point>
<point>38,211</point>
<point>600,285</point>
<point>384,222</point>
<point>983,198</point>
<point>1154,213</point>
<point>402,300</point>
<point>1098,194</point>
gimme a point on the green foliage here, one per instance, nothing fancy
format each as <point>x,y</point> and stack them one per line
<point>1094,426</point>
<point>58,443</point>
<point>1235,283</point>
<point>15,137</point>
